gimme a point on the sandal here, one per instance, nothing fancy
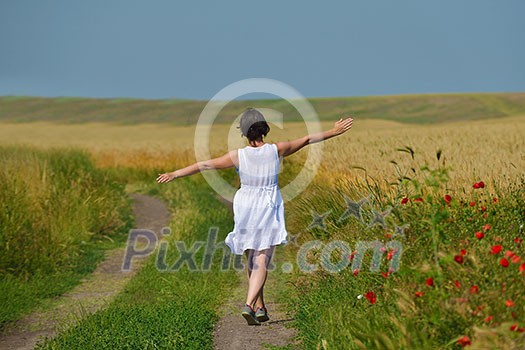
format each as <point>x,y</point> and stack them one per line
<point>249,315</point>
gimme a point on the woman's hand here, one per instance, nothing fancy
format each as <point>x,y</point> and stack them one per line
<point>166,177</point>
<point>342,125</point>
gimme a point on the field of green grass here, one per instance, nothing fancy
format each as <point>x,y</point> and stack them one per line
<point>69,163</point>
<point>422,109</point>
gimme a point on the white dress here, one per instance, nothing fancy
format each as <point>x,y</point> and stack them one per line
<point>258,210</point>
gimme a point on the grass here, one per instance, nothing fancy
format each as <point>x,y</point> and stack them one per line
<point>478,298</point>
<point>59,213</point>
<point>178,309</point>
<point>420,109</point>
<point>163,309</point>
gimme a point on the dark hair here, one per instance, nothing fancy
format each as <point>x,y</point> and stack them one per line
<point>253,125</point>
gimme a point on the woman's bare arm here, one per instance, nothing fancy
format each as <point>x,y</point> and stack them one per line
<point>228,160</point>
<point>287,148</point>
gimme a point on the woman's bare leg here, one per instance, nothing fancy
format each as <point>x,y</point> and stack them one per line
<point>260,297</point>
<point>258,264</point>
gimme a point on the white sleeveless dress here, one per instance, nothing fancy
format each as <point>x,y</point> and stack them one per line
<point>258,210</point>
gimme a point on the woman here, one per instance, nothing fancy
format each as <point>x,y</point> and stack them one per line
<point>257,206</point>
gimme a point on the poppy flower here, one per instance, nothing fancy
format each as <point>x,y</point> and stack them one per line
<point>463,252</point>
<point>515,259</point>
<point>487,227</point>
<point>429,281</point>
<point>464,341</point>
<point>518,240</point>
<point>457,284</point>
<point>483,208</point>
<point>419,294</point>
<point>495,200</point>
<point>480,235</point>
<point>390,254</point>
<point>509,253</point>
<point>472,204</point>
<point>504,262</point>
<point>371,296</point>
<point>509,303</point>
<point>488,318</point>
<point>496,249</point>
<point>513,327</point>
<point>458,259</point>
<point>385,274</point>
<point>404,200</point>
<point>356,272</point>
<point>418,200</point>
<point>522,267</point>
<point>474,290</point>
<point>447,199</point>
<point>521,329</point>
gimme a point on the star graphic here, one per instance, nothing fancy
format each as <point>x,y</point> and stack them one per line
<point>379,218</point>
<point>293,238</point>
<point>318,220</point>
<point>353,208</point>
<point>400,230</point>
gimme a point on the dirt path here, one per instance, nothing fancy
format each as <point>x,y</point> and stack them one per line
<point>93,293</point>
<point>232,332</point>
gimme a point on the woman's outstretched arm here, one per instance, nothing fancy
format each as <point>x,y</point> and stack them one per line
<point>228,160</point>
<point>289,147</point>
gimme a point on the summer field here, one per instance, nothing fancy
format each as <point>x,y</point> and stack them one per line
<point>461,274</point>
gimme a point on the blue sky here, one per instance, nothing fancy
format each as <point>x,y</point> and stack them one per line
<point>192,49</point>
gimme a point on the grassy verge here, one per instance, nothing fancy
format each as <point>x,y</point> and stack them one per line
<point>166,309</point>
<point>461,278</point>
<point>58,215</point>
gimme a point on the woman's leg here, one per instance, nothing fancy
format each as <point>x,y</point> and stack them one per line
<point>259,302</point>
<point>258,263</point>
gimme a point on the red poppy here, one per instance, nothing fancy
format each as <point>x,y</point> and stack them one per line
<point>513,327</point>
<point>356,271</point>
<point>518,240</point>
<point>487,227</point>
<point>483,208</point>
<point>509,303</point>
<point>522,267</point>
<point>496,249</point>
<point>521,329</point>
<point>390,254</point>
<point>463,252</point>
<point>495,200</point>
<point>472,204</point>
<point>404,200</point>
<point>458,259</point>
<point>515,259</point>
<point>447,199</point>
<point>476,185</point>
<point>504,262</point>
<point>474,290</point>
<point>385,274</point>
<point>464,341</point>
<point>457,284</point>
<point>429,281</point>
<point>419,294</point>
<point>418,200</point>
<point>480,235</point>
<point>509,253</point>
<point>488,318</point>
<point>371,296</point>
<point>485,216</point>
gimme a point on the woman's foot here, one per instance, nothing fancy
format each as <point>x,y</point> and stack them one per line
<point>249,315</point>
<point>262,314</point>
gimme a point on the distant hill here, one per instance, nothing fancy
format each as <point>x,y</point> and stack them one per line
<point>420,109</point>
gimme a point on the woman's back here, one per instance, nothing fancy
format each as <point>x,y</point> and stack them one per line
<point>259,166</point>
